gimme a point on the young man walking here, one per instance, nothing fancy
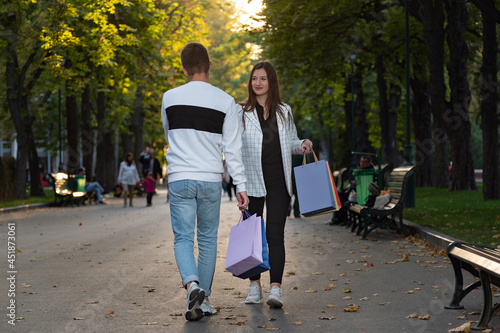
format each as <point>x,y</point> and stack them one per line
<point>200,123</point>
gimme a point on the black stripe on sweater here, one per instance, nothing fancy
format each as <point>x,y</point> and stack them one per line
<point>195,117</point>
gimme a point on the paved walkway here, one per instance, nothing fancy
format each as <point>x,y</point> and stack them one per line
<point>109,269</point>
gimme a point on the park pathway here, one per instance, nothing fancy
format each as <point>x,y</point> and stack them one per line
<point>105,268</point>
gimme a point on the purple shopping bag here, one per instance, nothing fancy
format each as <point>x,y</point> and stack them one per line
<point>244,250</point>
<point>265,257</point>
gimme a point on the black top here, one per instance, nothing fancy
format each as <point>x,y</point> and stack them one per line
<point>271,148</point>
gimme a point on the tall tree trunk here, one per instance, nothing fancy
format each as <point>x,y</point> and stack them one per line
<point>363,143</point>
<point>431,13</point>
<point>456,118</point>
<point>87,134</point>
<point>389,100</point>
<point>422,125</point>
<point>34,162</point>
<point>138,121</point>
<point>489,105</point>
<point>105,172</point>
<point>383,104</point>
<point>344,156</point>
<point>72,129</point>
<point>17,101</point>
<point>126,143</point>
<point>393,156</point>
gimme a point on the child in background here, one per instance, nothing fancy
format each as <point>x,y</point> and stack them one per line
<point>149,182</point>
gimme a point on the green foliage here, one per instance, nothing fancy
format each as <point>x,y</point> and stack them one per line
<point>229,50</point>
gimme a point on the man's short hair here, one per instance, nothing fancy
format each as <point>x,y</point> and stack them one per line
<point>194,57</point>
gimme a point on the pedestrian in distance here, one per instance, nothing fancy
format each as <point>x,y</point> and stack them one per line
<point>149,183</point>
<point>200,122</point>
<point>151,163</point>
<point>128,178</point>
<point>269,139</point>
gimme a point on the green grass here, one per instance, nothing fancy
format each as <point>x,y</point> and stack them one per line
<point>49,197</point>
<point>460,214</point>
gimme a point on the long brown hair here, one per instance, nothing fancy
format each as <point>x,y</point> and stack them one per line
<point>274,102</point>
<point>129,163</point>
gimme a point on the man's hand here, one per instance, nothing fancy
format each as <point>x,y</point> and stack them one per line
<point>243,200</point>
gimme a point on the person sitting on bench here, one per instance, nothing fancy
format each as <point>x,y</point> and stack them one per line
<point>93,186</point>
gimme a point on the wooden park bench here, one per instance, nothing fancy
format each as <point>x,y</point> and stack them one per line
<point>483,263</point>
<point>62,189</point>
<point>341,178</point>
<point>367,219</point>
<point>66,190</point>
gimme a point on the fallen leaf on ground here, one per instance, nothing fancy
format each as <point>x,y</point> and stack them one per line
<point>78,318</point>
<point>230,317</point>
<point>426,317</point>
<point>465,328</point>
<point>297,323</point>
<point>351,308</point>
<point>272,319</point>
<point>464,317</point>
<point>330,306</point>
<point>409,292</point>
<point>364,299</point>
<point>110,314</point>
<point>413,315</point>
<point>291,273</point>
<point>237,323</point>
<point>347,297</point>
<point>176,314</point>
<point>327,318</point>
<point>311,291</point>
<point>347,290</point>
<point>317,273</point>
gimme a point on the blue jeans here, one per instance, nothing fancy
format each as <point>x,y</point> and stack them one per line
<point>195,204</point>
<point>95,187</point>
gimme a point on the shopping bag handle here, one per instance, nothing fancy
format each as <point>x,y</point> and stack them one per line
<point>244,215</point>
<point>304,161</point>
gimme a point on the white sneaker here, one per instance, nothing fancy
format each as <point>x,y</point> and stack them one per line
<point>254,294</point>
<point>207,308</point>
<point>274,300</point>
<point>195,297</point>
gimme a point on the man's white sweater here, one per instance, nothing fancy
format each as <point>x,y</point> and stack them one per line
<point>200,123</point>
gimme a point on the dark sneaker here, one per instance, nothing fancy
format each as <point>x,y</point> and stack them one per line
<point>195,297</point>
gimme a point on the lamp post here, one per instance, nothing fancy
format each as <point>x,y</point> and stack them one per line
<point>352,59</point>
<point>408,153</point>
<point>329,91</point>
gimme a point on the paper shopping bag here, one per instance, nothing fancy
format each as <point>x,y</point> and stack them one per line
<point>265,256</point>
<point>244,251</point>
<point>316,189</point>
